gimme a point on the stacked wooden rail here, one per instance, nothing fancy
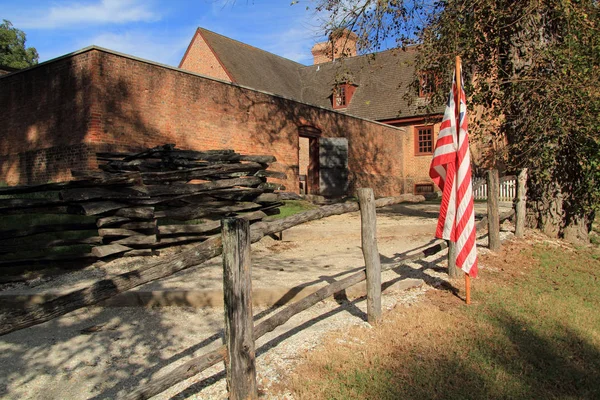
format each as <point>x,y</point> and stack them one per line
<point>141,202</point>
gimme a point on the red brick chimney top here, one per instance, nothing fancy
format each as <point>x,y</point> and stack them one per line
<point>341,43</point>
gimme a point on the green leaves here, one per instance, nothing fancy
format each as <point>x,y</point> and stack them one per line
<point>12,48</point>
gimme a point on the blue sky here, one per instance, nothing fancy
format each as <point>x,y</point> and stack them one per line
<point>161,30</point>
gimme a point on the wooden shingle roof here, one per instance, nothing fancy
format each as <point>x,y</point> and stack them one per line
<point>381,79</point>
<point>255,68</point>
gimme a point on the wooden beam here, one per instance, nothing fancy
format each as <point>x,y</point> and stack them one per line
<point>453,272</point>
<point>36,245</point>
<point>237,292</point>
<point>116,232</point>
<point>136,213</point>
<point>34,230</point>
<point>109,250</point>
<point>368,230</point>
<point>521,206</point>
<point>137,240</point>
<point>106,288</point>
<point>492,210</point>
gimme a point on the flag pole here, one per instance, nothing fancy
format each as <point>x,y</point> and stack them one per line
<point>457,107</point>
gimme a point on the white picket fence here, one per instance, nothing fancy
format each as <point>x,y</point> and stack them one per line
<point>508,188</point>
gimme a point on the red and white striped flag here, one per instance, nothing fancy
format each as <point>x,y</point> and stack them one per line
<point>451,171</point>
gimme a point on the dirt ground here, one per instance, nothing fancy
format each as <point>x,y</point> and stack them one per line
<point>104,352</point>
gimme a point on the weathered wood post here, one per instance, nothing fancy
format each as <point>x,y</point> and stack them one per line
<point>521,206</point>
<point>239,326</point>
<point>453,272</point>
<point>368,229</point>
<point>492,210</point>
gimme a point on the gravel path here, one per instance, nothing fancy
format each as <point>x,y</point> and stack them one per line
<point>102,352</point>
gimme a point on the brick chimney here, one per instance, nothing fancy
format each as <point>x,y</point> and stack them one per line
<point>341,43</point>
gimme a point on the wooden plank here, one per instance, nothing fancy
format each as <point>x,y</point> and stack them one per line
<point>47,259</point>
<point>36,245</point>
<point>34,230</point>
<point>221,157</point>
<point>95,207</point>
<point>116,232</point>
<point>368,230</point>
<point>24,204</point>
<point>199,172</point>
<point>237,293</point>
<point>116,166</point>
<point>136,212</point>
<point>150,152</point>
<point>109,249</point>
<point>271,174</point>
<point>103,193</point>
<point>111,221</point>
<point>91,180</point>
<point>179,240</point>
<point>268,198</point>
<point>199,364</point>
<point>211,226</point>
<point>453,272</point>
<point>521,206</point>
<point>195,212</point>
<point>185,371</point>
<point>173,190</point>
<point>96,177</point>
<point>140,225</point>
<point>141,253</point>
<point>137,240</point>
<point>106,288</point>
<point>237,194</point>
<point>270,186</point>
<point>492,209</point>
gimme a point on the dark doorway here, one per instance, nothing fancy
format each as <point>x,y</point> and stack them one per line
<point>308,156</point>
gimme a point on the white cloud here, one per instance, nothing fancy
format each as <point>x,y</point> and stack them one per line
<point>78,14</point>
<point>293,43</point>
<point>154,47</point>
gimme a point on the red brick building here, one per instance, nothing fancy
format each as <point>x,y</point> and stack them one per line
<point>58,114</point>
<point>374,87</point>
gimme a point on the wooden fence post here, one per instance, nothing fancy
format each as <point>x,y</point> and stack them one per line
<point>368,229</point>
<point>492,210</point>
<point>453,272</point>
<point>521,206</point>
<point>239,326</point>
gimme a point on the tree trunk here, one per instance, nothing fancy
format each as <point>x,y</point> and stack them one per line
<point>577,231</point>
<point>557,218</point>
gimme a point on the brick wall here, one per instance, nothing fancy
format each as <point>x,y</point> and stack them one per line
<point>44,120</point>
<point>199,58</point>
<point>416,166</point>
<point>104,100</point>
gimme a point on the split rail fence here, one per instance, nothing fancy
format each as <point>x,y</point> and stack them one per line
<point>240,334</point>
<point>135,205</point>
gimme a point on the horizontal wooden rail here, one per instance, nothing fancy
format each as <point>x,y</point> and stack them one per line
<point>200,363</point>
<point>13,320</point>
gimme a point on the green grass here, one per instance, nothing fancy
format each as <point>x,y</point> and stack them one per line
<point>527,336</point>
<point>543,330</point>
<point>292,207</point>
